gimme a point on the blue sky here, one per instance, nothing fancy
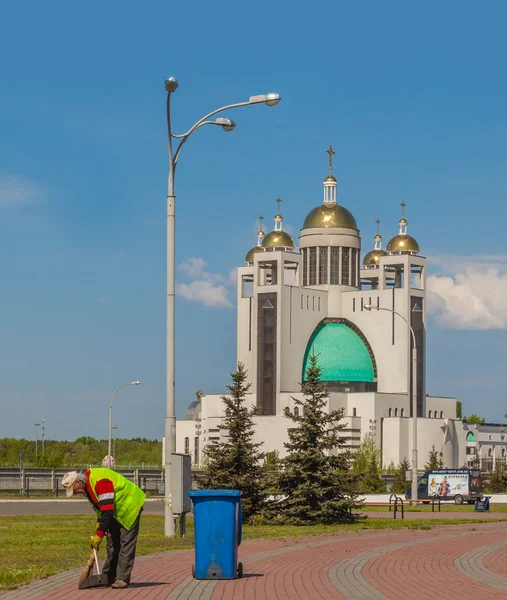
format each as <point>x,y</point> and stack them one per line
<point>413,99</point>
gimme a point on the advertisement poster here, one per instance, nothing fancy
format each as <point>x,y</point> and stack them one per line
<point>447,484</point>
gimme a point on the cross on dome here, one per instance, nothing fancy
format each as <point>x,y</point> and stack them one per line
<point>279,202</point>
<point>330,152</point>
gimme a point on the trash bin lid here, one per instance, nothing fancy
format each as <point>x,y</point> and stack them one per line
<point>208,493</point>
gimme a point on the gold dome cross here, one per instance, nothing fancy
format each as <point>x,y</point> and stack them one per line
<point>330,152</point>
<point>279,202</point>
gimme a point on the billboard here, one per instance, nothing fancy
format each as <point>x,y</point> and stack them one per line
<point>447,484</point>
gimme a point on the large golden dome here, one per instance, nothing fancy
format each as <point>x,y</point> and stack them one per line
<point>403,243</point>
<point>278,239</point>
<point>373,257</point>
<point>330,215</point>
<point>249,258</point>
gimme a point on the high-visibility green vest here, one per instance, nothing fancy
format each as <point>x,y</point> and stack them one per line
<point>128,497</point>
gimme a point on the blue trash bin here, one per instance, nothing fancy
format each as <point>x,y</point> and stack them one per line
<point>217,526</point>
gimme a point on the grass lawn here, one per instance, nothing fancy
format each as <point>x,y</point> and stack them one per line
<point>35,547</point>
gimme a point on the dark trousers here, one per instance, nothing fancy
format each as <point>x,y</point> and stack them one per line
<point>121,551</point>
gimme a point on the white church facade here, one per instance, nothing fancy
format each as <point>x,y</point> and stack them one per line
<point>322,298</point>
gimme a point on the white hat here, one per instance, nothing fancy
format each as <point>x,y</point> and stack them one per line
<point>68,481</point>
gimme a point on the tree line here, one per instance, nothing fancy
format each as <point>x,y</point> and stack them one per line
<point>82,452</point>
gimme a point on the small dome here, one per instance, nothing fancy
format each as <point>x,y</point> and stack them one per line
<point>249,258</point>
<point>330,178</point>
<point>373,257</point>
<point>330,215</point>
<point>278,239</point>
<point>193,411</point>
<point>402,243</point>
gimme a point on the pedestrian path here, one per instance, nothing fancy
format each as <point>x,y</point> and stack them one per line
<point>456,562</point>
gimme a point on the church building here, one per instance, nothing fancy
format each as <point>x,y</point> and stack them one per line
<point>362,314</point>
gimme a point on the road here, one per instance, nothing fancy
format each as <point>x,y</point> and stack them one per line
<point>64,507</point>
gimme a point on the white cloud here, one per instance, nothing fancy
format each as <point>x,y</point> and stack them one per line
<point>471,293</point>
<point>210,289</point>
<point>205,292</point>
<point>17,191</point>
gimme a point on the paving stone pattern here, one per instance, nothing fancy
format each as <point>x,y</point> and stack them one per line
<point>452,562</point>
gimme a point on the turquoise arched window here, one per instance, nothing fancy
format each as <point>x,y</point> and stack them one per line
<point>342,354</point>
<point>470,437</point>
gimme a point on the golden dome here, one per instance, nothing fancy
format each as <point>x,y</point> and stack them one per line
<point>249,258</point>
<point>373,257</point>
<point>330,178</point>
<point>330,215</point>
<point>402,243</point>
<point>278,239</point>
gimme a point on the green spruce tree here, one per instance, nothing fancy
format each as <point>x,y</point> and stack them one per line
<point>236,462</point>
<point>315,483</point>
<point>435,460</point>
<point>400,484</point>
<point>366,466</point>
<point>498,481</point>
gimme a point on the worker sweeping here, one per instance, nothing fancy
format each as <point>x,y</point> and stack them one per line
<point>118,503</point>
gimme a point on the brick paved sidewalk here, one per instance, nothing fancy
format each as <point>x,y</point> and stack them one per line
<point>455,562</point>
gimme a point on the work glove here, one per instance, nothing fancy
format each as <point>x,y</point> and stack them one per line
<point>95,541</point>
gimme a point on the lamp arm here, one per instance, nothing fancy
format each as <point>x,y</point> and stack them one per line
<point>200,122</point>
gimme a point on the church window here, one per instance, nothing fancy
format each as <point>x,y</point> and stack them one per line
<point>353,269</point>
<point>395,412</point>
<point>353,305</point>
<point>296,411</point>
<point>362,304</point>
<point>490,452</point>
<point>354,412</point>
<point>335,270</point>
<point>266,363</point>
<point>402,414</point>
<point>390,412</point>
<point>305,266</point>
<point>441,414</point>
<point>308,303</point>
<point>429,414</point>
<point>323,265</point>
<point>196,450</point>
<point>319,304</point>
<point>378,301</point>
<point>345,266</point>
<point>187,445</point>
<point>313,302</point>
<point>302,301</point>
<point>313,266</point>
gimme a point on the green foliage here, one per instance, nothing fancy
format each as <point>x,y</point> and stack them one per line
<point>390,469</point>
<point>400,485</point>
<point>498,481</point>
<point>459,409</point>
<point>366,467</point>
<point>81,453</point>
<point>236,462</point>
<point>435,460</point>
<point>315,483</point>
<point>473,418</point>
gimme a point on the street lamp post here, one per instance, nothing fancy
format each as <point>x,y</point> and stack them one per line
<point>111,418</point>
<point>414,396</point>
<point>37,424</point>
<point>171,85</point>
<point>42,435</point>
<point>114,428</point>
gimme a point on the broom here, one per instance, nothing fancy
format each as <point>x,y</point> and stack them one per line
<point>88,569</point>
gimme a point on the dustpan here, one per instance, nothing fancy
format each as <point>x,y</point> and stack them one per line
<point>87,580</point>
